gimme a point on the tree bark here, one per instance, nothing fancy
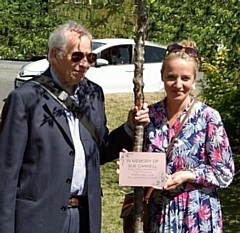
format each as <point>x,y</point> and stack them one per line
<point>139,100</point>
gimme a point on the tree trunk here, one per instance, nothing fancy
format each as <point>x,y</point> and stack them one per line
<point>139,100</point>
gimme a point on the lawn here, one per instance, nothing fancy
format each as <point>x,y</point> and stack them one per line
<point>117,106</point>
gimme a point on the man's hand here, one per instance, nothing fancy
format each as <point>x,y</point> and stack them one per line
<point>140,116</point>
<point>117,163</point>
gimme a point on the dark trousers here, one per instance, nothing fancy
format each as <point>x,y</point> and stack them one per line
<point>77,220</point>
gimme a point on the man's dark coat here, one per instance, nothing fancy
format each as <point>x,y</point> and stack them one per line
<point>37,158</point>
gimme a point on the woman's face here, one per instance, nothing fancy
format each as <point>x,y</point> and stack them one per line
<point>178,78</point>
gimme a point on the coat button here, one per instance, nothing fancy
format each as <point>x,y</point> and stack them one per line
<point>63,208</point>
<point>71,153</point>
<point>68,181</point>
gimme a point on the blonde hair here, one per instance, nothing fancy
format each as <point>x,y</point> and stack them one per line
<point>183,55</point>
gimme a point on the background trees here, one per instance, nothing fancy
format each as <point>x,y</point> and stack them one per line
<point>26,25</point>
<point>25,28</point>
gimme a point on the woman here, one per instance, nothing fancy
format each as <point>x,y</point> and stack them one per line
<point>200,160</point>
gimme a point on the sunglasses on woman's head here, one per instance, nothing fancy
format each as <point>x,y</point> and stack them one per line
<point>78,56</point>
<point>174,48</point>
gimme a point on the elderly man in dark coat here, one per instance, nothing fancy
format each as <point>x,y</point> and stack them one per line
<point>49,161</point>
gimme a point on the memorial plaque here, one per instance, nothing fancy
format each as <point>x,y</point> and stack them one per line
<point>143,169</point>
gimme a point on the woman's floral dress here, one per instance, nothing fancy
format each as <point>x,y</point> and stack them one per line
<point>201,146</point>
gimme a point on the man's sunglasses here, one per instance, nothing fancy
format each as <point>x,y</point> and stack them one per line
<point>78,56</point>
<point>174,48</point>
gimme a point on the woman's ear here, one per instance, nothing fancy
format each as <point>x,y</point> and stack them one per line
<point>193,86</point>
<point>161,73</point>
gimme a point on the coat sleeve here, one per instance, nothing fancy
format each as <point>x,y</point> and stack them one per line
<point>13,139</point>
<point>114,143</point>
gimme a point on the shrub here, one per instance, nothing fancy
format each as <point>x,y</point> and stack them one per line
<point>220,89</point>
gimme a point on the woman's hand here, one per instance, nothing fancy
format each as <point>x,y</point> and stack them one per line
<point>176,179</point>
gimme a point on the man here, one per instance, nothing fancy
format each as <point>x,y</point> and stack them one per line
<point>49,162</point>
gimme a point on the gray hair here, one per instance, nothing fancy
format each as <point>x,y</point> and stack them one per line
<point>58,37</point>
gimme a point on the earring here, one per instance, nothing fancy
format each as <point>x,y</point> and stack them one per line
<point>193,87</point>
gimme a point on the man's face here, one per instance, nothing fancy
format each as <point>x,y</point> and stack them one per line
<point>68,71</point>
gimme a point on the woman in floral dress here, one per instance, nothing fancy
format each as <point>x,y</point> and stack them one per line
<point>200,160</point>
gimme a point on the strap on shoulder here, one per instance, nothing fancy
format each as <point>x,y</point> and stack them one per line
<point>62,96</point>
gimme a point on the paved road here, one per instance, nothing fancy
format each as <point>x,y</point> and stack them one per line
<point>8,71</point>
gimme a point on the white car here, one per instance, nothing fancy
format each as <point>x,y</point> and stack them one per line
<point>114,67</point>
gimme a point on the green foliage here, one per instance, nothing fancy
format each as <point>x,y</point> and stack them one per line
<point>208,23</point>
<point>104,18</point>
<point>25,29</point>
<point>26,25</point>
<point>222,92</point>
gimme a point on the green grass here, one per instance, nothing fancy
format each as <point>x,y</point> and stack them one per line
<point>117,106</point>
<point>230,201</point>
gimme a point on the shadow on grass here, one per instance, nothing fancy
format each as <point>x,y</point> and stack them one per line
<point>230,202</point>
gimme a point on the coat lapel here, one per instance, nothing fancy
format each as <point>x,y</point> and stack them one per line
<point>57,112</point>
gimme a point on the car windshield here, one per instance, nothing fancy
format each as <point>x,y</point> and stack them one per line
<point>97,44</point>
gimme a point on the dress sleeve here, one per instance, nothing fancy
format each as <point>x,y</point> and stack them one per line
<point>219,169</point>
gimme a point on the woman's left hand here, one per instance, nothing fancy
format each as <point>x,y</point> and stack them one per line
<point>176,179</point>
